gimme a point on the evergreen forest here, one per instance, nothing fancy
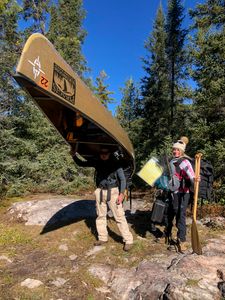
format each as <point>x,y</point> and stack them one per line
<point>156,111</point>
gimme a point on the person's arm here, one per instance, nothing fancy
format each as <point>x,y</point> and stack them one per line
<point>82,163</point>
<point>122,185</point>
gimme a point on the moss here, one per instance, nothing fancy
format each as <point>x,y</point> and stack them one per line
<point>91,280</point>
<point>90,297</point>
<point>192,282</point>
<point>7,279</point>
<point>7,202</point>
<point>9,236</point>
<point>35,294</point>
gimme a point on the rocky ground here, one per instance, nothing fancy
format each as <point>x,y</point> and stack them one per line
<point>47,252</point>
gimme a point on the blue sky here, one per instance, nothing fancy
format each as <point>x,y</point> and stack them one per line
<point>117,30</point>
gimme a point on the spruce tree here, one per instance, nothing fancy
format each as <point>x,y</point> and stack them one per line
<point>9,95</point>
<point>66,32</point>
<point>37,11</point>
<point>33,155</point>
<point>10,48</point>
<point>154,89</point>
<point>176,56</point>
<point>208,52</point>
<point>101,89</point>
<point>129,114</point>
<point>129,109</point>
<point>208,59</point>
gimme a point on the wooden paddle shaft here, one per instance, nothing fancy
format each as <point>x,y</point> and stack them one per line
<point>196,186</point>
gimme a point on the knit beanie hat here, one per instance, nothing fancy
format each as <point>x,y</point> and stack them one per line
<point>181,143</point>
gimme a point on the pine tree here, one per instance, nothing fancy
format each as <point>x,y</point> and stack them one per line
<point>101,89</point>
<point>176,56</point>
<point>129,114</point>
<point>209,14</point>
<point>129,110</point>
<point>155,88</point>
<point>208,52</point>
<point>10,48</point>
<point>33,155</point>
<point>208,58</point>
<point>66,32</point>
<point>37,11</point>
<point>10,102</point>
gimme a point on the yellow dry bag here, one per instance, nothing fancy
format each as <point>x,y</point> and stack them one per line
<point>151,171</point>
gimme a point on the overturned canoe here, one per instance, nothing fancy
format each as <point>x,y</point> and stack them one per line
<point>68,103</point>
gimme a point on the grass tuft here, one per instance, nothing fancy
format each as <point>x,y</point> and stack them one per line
<point>192,282</point>
<point>10,236</point>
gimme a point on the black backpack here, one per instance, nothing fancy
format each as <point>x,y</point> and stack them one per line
<point>207,177</point>
<point>112,179</point>
<point>127,169</point>
<point>128,175</point>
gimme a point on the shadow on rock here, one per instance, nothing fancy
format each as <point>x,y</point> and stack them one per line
<point>72,213</point>
<point>75,212</point>
<point>91,225</point>
<point>141,223</point>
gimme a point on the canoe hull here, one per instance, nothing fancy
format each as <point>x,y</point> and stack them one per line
<point>68,103</point>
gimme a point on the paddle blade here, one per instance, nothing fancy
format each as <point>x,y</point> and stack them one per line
<point>195,243</point>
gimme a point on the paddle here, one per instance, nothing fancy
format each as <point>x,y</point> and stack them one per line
<point>195,243</point>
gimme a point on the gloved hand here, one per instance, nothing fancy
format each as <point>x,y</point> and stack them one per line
<point>73,151</point>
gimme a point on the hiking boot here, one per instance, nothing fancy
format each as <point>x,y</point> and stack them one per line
<point>182,246</point>
<point>127,247</point>
<point>172,248</point>
<point>160,240</point>
<point>172,245</point>
<point>99,243</point>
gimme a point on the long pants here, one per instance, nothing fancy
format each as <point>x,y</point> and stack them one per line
<point>118,213</point>
<point>177,208</point>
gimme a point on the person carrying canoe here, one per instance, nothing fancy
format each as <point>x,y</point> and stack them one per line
<point>110,186</point>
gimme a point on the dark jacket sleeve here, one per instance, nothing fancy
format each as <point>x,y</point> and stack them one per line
<point>122,180</point>
<point>83,163</point>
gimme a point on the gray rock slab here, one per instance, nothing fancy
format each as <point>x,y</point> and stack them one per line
<point>51,211</point>
<point>57,210</point>
<point>183,277</point>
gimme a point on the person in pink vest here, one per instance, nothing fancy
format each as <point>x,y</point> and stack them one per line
<point>181,185</point>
